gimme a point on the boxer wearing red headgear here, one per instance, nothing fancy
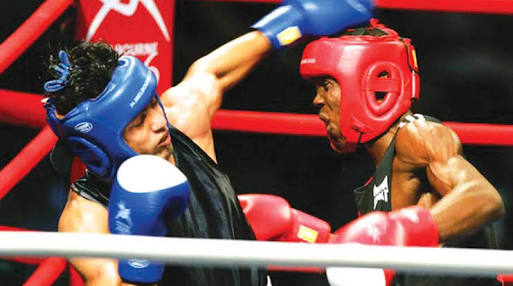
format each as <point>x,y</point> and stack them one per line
<point>366,66</point>
<point>424,192</point>
<point>126,116</point>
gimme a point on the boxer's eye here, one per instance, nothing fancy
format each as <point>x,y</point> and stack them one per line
<point>325,85</point>
<point>141,118</point>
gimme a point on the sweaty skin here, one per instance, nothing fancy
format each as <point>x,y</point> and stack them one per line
<point>428,169</point>
<point>460,199</point>
<point>189,107</point>
<point>328,100</point>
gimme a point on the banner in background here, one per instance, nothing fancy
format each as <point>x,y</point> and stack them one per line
<point>142,28</point>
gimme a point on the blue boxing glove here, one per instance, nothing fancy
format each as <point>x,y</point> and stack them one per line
<point>296,18</point>
<point>147,190</point>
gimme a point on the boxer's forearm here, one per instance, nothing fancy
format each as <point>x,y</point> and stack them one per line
<point>231,62</point>
<point>468,200</point>
<point>467,208</point>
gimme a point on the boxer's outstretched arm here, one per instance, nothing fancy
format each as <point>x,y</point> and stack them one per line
<point>283,26</point>
<point>84,216</point>
<point>230,63</point>
<point>192,103</point>
<point>468,200</point>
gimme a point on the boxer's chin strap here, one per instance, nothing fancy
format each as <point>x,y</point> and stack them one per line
<point>163,111</point>
<point>167,121</point>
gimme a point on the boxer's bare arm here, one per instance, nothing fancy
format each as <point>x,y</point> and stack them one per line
<point>81,215</point>
<point>193,102</point>
<point>228,65</point>
<point>468,201</point>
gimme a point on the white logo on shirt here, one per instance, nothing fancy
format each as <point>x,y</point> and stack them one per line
<point>409,118</point>
<point>380,192</point>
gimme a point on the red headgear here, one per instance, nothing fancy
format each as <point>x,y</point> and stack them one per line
<point>377,76</point>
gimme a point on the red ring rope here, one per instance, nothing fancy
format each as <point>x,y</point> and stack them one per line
<point>13,100</point>
<point>47,272</point>
<point>30,30</point>
<point>264,122</point>
<point>27,159</point>
<point>466,6</point>
<point>269,122</point>
<point>74,277</point>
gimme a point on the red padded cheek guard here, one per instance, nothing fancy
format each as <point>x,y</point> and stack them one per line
<point>365,66</point>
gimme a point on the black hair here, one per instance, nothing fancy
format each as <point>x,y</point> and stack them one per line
<point>365,31</point>
<point>92,65</point>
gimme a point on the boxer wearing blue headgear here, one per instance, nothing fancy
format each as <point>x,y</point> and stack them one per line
<point>102,107</point>
<point>94,129</point>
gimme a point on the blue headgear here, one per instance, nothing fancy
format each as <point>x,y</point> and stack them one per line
<point>93,130</point>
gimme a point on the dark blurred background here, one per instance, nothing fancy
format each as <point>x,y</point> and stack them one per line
<point>465,67</point>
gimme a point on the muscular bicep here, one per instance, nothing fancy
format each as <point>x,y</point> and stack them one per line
<point>438,149</point>
<point>434,148</point>
<point>468,200</point>
<point>446,174</point>
<point>83,216</point>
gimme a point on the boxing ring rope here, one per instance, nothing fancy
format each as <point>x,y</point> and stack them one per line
<point>47,272</point>
<point>24,260</point>
<point>193,251</point>
<point>290,124</point>
<point>259,122</point>
<point>310,125</point>
<point>30,30</point>
<point>464,6</point>
<point>227,120</point>
<point>12,100</point>
<point>49,269</point>
<point>27,159</point>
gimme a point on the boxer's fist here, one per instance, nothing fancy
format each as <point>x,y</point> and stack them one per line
<point>411,226</point>
<point>296,18</point>
<point>272,218</point>
<point>147,190</point>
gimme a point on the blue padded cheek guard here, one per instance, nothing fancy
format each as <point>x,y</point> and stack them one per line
<point>93,130</point>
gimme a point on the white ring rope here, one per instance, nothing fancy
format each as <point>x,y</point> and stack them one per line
<point>473,262</point>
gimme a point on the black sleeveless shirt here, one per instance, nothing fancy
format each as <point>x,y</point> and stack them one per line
<point>377,194</point>
<point>213,212</point>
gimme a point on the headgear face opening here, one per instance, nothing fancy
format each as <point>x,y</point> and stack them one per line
<point>93,130</point>
<point>378,78</point>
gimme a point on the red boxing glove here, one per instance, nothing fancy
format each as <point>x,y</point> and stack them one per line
<point>411,226</point>
<point>505,279</point>
<point>272,218</point>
